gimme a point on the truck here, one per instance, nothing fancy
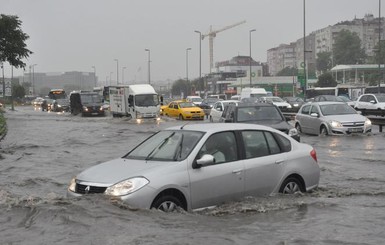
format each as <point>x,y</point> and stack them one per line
<point>137,101</point>
<point>87,103</point>
<point>252,94</point>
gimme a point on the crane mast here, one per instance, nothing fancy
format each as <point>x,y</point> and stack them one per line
<point>212,34</point>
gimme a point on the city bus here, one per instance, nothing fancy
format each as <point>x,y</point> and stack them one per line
<point>57,94</point>
<point>350,91</point>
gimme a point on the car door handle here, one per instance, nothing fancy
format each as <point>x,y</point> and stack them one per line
<point>279,161</point>
<point>237,171</point>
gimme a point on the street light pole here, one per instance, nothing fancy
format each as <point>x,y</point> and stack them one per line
<point>111,77</point>
<point>304,51</point>
<point>200,59</point>
<point>149,68</point>
<point>117,71</point>
<point>123,74</point>
<point>94,74</point>
<point>187,49</point>
<point>379,46</point>
<point>250,53</point>
<point>33,78</point>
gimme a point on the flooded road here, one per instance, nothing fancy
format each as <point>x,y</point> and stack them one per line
<point>43,151</point>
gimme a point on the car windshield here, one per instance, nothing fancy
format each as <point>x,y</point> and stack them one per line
<point>344,98</point>
<point>258,113</point>
<point>196,99</point>
<point>274,99</point>
<point>63,102</point>
<point>337,109</point>
<point>146,100</point>
<point>187,105</point>
<point>91,98</point>
<point>166,146</point>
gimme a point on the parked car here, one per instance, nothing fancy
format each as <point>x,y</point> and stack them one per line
<point>218,108</point>
<point>330,118</point>
<point>183,110</point>
<point>259,113</point>
<point>275,100</point>
<point>371,104</point>
<point>295,102</point>
<point>180,167</point>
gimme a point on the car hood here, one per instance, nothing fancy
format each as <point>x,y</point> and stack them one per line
<point>346,118</point>
<point>189,109</point>
<point>116,170</point>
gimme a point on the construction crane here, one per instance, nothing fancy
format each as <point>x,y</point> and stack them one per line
<point>213,33</point>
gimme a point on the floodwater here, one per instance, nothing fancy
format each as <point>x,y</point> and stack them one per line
<point>43,151</point>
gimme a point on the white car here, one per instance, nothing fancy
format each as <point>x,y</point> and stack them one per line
<point>218,108</point>
<point>197,100</point>
<point>203,165</point>
<point>331,118</point>
<point>371,104</point>
<point>275,100</point>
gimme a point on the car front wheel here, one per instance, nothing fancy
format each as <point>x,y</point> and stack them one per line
<point>180,117</point>
<point>290,186</point>
<point>323,131</point>
<point>167,204</point>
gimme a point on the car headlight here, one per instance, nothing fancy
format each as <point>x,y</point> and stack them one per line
<point>335,124</point>
<point>368,122</point>
<point>293,132</point>
<point>295,105</point>
<point>289,106</point>
<point>127,186</point>
<point>85,108</point>
<point>72,185</point>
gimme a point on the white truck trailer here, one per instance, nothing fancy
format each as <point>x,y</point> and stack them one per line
<point>137,101</point>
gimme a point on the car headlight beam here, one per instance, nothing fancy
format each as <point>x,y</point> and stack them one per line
<point>126,187</point>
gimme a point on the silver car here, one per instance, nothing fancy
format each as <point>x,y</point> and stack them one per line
<point>330,117</point>
<point>201,165</point>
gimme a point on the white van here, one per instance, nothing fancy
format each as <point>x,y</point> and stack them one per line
<point>252,94</point>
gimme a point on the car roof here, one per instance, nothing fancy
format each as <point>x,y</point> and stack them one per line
<point>219,127</point>
<point>326,103</point>
<point>255,104</point>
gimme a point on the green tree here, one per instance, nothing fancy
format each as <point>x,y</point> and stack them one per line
<point>18,91</point>
<point>181,86</point>
<point>347,48</point>
<point>288,71</point>
<point>324,61</point>
<point>12,41</point>
<point>326,80</point>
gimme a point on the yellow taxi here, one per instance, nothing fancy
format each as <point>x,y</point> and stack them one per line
<point>183,110</point>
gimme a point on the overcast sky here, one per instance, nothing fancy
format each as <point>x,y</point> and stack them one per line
<point>74,35</point>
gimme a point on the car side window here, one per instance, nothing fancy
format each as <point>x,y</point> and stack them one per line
<point>273,145</point>
<point>255,144</point>
<point>314,109</point>
<point>175,106</point>
<point>171,105</point>
<point>222,146</point>
<point>284,143</point>
<point>305,109</point>
<point>371,98</point>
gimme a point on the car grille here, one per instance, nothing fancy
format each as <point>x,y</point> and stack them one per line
<point>81,189</point>
<point>353,124</point>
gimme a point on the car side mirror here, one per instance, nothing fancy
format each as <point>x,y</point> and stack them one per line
<point>205,160</point>
<point>373,102</point>
<point>314,114</point>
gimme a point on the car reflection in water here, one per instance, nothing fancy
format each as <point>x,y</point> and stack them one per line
<point>202,165</point>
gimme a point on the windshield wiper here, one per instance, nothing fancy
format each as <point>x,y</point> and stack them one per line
<point>179,149</point>
<point>149,156</point>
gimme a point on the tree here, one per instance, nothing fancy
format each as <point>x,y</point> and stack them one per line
<point>324,61</point>
<point>326,80</point>
<point>288,71</point>
<point>347,48</point>
<point>181,86</point>
<point>12,41</point>
<point>18,91</point>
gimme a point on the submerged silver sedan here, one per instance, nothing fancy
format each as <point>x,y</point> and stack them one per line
<point>201,165</point>
<point>330,118</point>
